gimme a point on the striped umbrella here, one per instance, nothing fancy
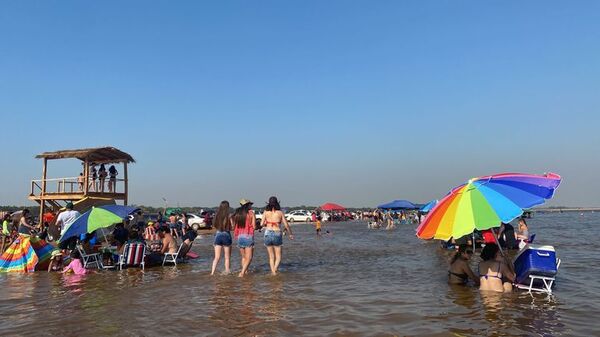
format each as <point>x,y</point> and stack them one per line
<point>485,202</point>
<point>24,254</point>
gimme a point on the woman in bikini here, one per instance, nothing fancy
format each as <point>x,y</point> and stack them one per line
<point>494,271</point>
<point>271,220</point>
<point>244,221</point>
<point>460,271</point>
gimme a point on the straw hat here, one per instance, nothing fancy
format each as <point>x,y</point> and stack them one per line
<point>245,201</point>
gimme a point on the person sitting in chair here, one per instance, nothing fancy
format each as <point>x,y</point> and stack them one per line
<point>523,233</point>
<point>169,245</point>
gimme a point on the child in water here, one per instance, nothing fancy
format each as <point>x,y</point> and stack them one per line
<point>318,226</point>
<point>76,265</point>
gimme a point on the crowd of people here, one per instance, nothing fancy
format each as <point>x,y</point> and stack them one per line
<point>160,236</point>
<point>494,272</point>
<point>389,219</point>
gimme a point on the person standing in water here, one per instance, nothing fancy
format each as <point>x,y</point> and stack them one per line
<point>494,271</point>
<point>318,225</point>
<point>272,219</point>
<point>222,243</point>
<point>245,221</point>
<point>460,271</point>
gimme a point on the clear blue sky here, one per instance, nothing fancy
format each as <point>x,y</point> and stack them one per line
<point>356,102</point>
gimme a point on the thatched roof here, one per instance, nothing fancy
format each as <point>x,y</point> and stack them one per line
<point>98,155</point>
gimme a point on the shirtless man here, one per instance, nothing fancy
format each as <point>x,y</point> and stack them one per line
<point>169,245</point>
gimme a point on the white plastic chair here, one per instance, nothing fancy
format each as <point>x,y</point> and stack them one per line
<point>89,259</point>
<point>172,257</point>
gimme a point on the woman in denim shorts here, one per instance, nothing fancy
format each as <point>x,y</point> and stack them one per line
<point>245,221</point>
<point>222,242</point>
<point>272,218</point>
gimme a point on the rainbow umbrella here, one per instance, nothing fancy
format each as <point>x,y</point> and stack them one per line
<point>96,218</point>
<point>483,203</point>
<point>24,254</point>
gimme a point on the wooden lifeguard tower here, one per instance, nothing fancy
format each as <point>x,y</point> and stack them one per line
<point>54,193</point>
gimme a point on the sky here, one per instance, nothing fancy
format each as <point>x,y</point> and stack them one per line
<point>354,102</point>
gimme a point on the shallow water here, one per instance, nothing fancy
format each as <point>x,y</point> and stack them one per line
<point>354,282</point>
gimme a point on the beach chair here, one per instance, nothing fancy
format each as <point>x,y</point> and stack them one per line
<point>172,257</point>
<point>542,284</point>
<point>150,234</point>
<point>89,259</point>
<point>133,255</point>
<point>524,243</point>
<point>537,270</point>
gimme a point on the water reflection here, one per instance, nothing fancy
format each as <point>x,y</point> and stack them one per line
<point>273,302</point>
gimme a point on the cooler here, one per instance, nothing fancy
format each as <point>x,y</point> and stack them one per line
<point>535,260</point>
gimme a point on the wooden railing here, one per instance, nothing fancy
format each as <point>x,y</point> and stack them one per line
<point>72,185</point>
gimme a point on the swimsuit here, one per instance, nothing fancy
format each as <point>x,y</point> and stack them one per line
<point>498,274</point>
<point>273,234</point>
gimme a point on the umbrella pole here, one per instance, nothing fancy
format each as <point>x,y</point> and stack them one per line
<point>105,239</point>
<point>508,263</point>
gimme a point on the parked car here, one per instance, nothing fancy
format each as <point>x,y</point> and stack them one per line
<point>195,221</point>
<point>301,215</point>
<point>258,215</point>
<point>199,221</point>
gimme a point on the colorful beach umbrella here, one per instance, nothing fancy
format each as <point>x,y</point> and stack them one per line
<point>332,207</point>
<point>96,218</point>
<point>485,202</point>
<point>398,204</point>
<point>24,254</point>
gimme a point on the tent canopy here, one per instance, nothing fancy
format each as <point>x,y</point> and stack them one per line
<point>332,207</point>
<point>398,204</point>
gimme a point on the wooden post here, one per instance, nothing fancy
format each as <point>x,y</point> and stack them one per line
<point>86,179</point>
<point>43,191</point>
<point>126,182</point>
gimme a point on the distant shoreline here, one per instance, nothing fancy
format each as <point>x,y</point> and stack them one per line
<point>565,209</point>
<point>192,209</point>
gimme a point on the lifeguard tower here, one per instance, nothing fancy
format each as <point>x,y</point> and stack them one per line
<point>54,193</point>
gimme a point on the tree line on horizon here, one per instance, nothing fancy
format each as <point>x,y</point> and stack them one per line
<point>192,209</point>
